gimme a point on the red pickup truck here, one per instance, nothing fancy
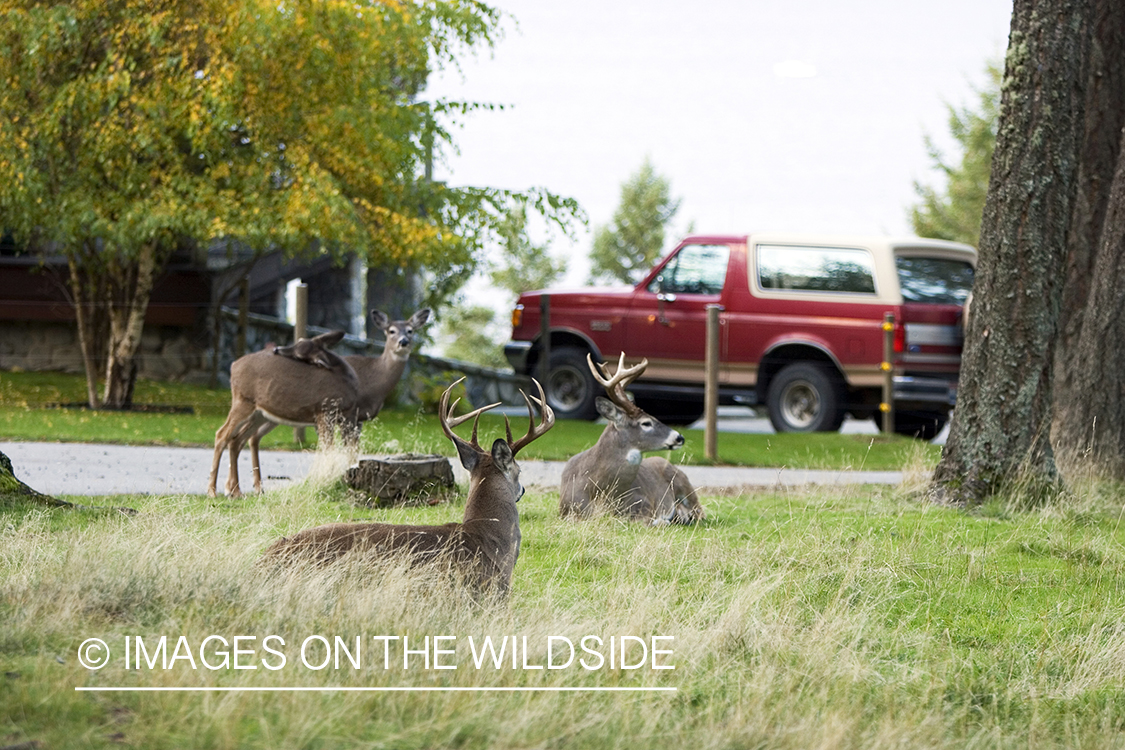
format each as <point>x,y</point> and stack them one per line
<point>800,329</point>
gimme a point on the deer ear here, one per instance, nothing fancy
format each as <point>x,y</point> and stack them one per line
<point>420,318</point>
<point>609,410</point>
<point>468,455</point>
<point>502,455</point>
<point>380,319</point>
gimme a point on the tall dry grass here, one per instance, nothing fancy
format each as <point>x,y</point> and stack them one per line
<point>801,619</point>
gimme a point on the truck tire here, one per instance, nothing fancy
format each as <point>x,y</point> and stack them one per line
<point>924,425</point>
<point>805,397</point>
<point>570,387</point>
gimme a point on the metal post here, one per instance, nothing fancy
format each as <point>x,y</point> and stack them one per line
<point>888,405</point>
<point>711,387</point>
<point>544,341</point>
<point>300,328</point>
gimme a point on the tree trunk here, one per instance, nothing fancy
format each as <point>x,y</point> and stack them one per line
<point>1092,234</point>
<point>999,434</point>
<point>1091,436</point>
<point>132,283</point>
<point>86,287</point>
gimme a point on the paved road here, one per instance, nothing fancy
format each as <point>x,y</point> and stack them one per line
<point>90,469</point>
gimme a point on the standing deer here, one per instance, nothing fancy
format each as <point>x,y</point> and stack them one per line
<point>485,545</point>
<point>613,475</point>
<point>268,390</point>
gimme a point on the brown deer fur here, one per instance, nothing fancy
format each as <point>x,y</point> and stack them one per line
<point>484,545</point>
<point>314,351</point>
<point>613,476</point>
<point>268,390</point>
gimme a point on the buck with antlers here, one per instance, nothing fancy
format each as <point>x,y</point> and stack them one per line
<point>268,390</point>
<point>484,545</point>
<point>614,476</point>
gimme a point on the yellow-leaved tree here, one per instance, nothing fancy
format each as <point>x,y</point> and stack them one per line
<point>131,127</point>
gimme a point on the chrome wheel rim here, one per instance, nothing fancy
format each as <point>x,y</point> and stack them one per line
<point>800,404</point>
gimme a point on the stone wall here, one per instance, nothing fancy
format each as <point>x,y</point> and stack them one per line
<point>166,353</point>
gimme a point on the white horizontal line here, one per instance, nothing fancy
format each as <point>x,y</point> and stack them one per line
<point>376,689</point>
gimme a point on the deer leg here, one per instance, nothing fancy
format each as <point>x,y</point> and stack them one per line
<point>239,412</point>
<point>242,434</point>
<point>255,441</point>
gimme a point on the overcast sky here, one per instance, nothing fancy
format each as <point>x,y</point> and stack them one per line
<point>805,116</point>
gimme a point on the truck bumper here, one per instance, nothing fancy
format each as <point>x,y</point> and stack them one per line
<point>517,352</point>
<point>928,391</point>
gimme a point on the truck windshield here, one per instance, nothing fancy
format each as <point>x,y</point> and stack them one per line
<point>935,281</point>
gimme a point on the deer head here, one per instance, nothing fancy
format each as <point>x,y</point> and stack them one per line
<point>476,460</point>
<point>400,333</point>
<point>644,433</point>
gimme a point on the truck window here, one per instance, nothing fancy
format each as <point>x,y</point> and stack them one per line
<point>696,269</point>
<point>937,281</point>
<point>815,269</point>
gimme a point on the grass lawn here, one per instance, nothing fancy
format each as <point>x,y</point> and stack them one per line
<point>847,618</point>
<point>27,414</point>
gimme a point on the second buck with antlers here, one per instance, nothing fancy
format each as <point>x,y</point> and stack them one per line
<point>268,390</point>
<point>485,545</point>
<point>613,476</point>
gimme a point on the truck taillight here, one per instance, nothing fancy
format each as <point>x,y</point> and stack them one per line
<point>900,338</point>
<point>517,316</point>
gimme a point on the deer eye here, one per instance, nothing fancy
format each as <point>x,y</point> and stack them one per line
<point>646,423</point>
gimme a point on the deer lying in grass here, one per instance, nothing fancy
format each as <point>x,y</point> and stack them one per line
<point>268,390</point>
<point>613,475</point>
<point>484,545</point>
<point>314,351</point>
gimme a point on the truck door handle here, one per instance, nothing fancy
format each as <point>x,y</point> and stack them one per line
<point>661,298</point>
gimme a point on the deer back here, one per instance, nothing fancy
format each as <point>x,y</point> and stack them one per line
<point>290,389</point>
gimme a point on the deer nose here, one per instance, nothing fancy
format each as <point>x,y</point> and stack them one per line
<point>675,440</point>
<point>404,341</point>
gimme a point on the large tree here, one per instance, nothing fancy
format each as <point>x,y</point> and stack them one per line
<point>999,435</point>
<point>1088,432</point>
<point>130,128</point>
<point>626,247</point>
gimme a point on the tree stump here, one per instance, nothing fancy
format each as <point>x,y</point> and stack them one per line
<point>404,479</point>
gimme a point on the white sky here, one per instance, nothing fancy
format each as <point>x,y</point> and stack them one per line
<point>806,115</point>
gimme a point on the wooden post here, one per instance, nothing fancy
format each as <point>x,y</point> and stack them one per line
<point>888,405</point>
<point>544,341</point>
<point>711,387</point>
<point>300,328</point>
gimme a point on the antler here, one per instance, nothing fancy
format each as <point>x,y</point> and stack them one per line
<point>448,421</point>
<point>533,431</point>
<point>615,385</point>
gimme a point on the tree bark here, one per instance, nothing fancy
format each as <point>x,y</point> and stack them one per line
<point>85,285</point>
<point>1000,432</point>
<point>132,284</point>
<point>1079,402</point>
<point>1091,434</point>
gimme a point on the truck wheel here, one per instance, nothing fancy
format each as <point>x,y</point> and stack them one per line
<point>804,397</point>
<point>570,387</point>
<point>924,425</point>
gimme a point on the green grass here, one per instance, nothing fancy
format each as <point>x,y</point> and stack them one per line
<point>849,618</point>
<point>25,416</point>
